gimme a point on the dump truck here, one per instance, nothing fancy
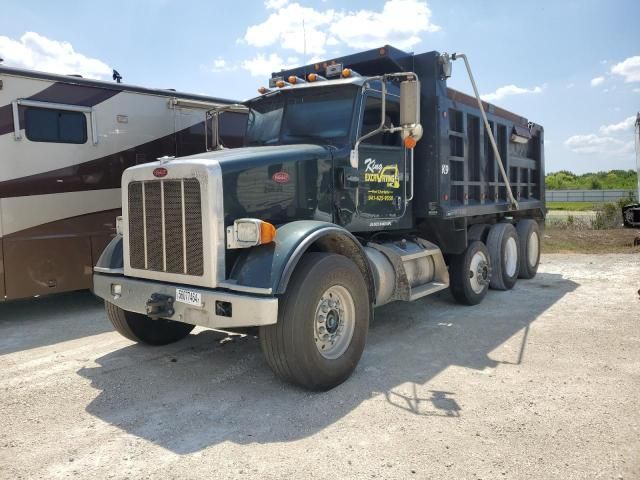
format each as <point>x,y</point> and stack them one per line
<point>362,180</point>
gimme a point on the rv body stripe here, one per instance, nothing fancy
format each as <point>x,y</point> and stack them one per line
<point>98,174</point>
<point>21,213</point>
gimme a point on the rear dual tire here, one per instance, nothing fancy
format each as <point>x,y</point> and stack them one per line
<point>504,250</point>
<point>529,235</point>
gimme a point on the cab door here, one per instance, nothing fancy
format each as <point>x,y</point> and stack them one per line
<point>382,164</point>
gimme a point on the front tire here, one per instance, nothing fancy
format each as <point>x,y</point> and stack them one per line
<point>142,329</point>
<point>322,326</point>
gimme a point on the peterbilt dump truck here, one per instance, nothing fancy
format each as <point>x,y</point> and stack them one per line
<point>362,181</point>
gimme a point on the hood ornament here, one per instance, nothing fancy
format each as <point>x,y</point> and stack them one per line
<point>165,159</point>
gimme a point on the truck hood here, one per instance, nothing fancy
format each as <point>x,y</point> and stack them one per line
<point>240,159</point>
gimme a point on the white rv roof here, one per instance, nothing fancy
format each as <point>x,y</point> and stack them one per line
<point>72,79</point>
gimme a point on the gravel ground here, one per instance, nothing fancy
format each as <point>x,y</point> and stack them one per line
<point>563,214</point>
<point>542,382</point>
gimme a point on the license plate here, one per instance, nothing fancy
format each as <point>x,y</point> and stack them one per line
<point>189,297</point>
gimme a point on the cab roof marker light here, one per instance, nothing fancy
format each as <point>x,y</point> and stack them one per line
<point>293,80</point>
<point>348,73</point>
<point>262,90</point>
<point>273,82</point>
<point>314,77</point>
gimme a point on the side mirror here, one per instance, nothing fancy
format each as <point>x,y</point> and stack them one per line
<point>410,111</point>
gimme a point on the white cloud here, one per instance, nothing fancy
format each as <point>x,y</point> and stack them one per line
<point>284,28</point>
<point>629,69</point>
<point>37,52</point>
<point>262,65</point>
<point>275,4</point>
<point>222,65</point>
<point>508,91</point>
<point>621,127</point>
<point>615,139</point>
<point>597,81</point>
<point>400,22</point>
<point>571,85</point>
<point>598,144</point>
<point>636,90</point>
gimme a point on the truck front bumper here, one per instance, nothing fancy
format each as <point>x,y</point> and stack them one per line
<point>218,309</point>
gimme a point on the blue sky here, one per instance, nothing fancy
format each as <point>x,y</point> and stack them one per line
<point>572,66</point>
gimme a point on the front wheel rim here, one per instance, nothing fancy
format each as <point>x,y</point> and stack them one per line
<point>334,322</point>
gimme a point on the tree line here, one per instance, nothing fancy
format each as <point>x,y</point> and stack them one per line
<point>611,180</point>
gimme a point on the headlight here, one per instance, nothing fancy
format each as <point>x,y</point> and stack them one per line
<point>249,232</point>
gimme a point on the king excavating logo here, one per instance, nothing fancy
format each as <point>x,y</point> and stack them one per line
<point>377,173</point>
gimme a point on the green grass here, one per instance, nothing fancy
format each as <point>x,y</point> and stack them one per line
<point>573,206</point>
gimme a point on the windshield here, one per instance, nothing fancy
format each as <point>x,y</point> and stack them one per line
<point>302,115</point>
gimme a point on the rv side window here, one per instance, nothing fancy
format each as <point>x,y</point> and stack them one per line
<point>58,126</point>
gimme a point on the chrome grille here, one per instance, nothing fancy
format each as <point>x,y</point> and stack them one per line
<point>165,226</point>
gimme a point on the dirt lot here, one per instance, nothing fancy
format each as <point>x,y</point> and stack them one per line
<point>542,382</point>
<point>583,240</point>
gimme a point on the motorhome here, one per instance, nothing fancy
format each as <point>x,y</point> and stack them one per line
<point>64,143</point>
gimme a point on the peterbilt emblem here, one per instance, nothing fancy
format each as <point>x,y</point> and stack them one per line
<point>160,172</point>
<point>280,177</point>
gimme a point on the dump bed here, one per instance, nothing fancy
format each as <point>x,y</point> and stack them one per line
<point>456,172</point>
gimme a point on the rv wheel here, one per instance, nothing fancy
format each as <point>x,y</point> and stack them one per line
<point>322,325</point>
<point>529,234</point>
<point>504,250</point>
<point>140,328</point>
<point>470,273</point>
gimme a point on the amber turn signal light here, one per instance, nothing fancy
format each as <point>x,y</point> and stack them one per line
<point>263,90</point>
<point>410,142</point>
<point>267,232</point>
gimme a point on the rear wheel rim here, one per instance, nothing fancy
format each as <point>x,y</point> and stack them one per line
<point>334,322</point>
<point>532,249</point>
<point>478,272</point>
<point>511,257</point>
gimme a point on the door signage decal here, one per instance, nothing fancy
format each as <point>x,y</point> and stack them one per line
<point>387,178</point>
<point>375,172</point>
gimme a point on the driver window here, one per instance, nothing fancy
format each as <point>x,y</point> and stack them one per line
<point>371,121</point>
